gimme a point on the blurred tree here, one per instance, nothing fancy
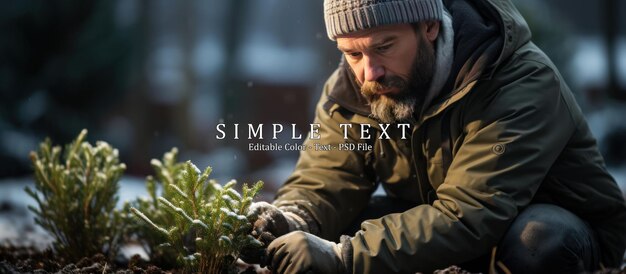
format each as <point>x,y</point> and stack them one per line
<point>64,64</point>
<point>611,13</point>
<point>553,36</point>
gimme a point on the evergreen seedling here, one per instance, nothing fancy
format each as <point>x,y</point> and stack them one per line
<point>75,191</point>
<point>204,223</point>
<point>166,172</point>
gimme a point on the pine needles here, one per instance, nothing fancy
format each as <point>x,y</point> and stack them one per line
<point>76,197</point>
<point>204,223</point>
<point>195,223</point>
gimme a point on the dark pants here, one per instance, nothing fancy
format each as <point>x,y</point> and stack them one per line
<point>543,238</point>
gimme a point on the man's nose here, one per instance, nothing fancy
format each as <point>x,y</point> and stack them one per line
<point>373,71</point>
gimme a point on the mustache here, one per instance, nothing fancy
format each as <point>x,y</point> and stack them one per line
<point>372,88</point>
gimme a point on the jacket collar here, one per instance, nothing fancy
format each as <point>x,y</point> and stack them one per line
<point>346,92</point>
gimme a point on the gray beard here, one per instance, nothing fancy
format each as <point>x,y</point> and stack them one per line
<point>400,107</point>
<point>390,110</point>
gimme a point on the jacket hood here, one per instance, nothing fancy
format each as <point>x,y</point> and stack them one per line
<point>486,32</point>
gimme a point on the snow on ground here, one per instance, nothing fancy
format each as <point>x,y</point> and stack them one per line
<point>17,223</point>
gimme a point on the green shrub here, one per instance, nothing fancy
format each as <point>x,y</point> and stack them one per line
<point>201,222</point>
<point>166,172</point>
<point>76,197</point>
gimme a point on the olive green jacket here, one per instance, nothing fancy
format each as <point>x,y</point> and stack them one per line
<point>509,133</point>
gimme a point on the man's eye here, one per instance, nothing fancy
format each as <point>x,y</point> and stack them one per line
<point>354,54</point>
<point>383,48</point>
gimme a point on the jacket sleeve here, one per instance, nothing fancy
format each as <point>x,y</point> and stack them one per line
<point>512,137</point>
<point>332,185</point>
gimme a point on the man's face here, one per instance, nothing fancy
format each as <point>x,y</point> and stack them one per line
<point>393,65</point>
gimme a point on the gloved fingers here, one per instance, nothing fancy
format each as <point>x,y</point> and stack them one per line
<point>252,255</point>
<point>300,252</point>
<point>259,208</point>
<point>271,222</point>
<point>266,238</point>
<point>290,260</point>
<point>290,253</point>
<point>275,256</point>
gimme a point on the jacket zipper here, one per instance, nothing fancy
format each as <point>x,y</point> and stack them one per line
<point>415,144</point>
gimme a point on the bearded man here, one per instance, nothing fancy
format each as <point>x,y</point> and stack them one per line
<point>500,170</point>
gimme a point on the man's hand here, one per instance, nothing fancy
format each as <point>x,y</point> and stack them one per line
<point>269,222</point>
<point>300,252</point>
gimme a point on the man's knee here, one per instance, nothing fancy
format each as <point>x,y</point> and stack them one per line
<point>547,239</point>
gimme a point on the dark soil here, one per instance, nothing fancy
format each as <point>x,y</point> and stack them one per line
<point>15,259</point>
<point>452,270</point>
<point>30,260</point>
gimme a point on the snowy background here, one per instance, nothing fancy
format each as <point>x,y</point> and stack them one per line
<point>150,75</point>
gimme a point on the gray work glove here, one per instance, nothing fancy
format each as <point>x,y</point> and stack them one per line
<point>270,222</point>
<point>301,252</point>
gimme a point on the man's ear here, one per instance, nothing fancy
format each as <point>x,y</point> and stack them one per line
<point>431,30</point>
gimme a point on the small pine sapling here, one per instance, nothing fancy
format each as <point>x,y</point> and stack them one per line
<point>76,196</point>
<point>167,171</point>
<point>203,222</point>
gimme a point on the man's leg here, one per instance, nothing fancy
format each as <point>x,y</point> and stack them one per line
<point>380,206</point>
<point>548,239</point>
<point>543,239</point>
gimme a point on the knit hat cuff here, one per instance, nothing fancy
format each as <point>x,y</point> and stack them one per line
<point>343,17</point>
